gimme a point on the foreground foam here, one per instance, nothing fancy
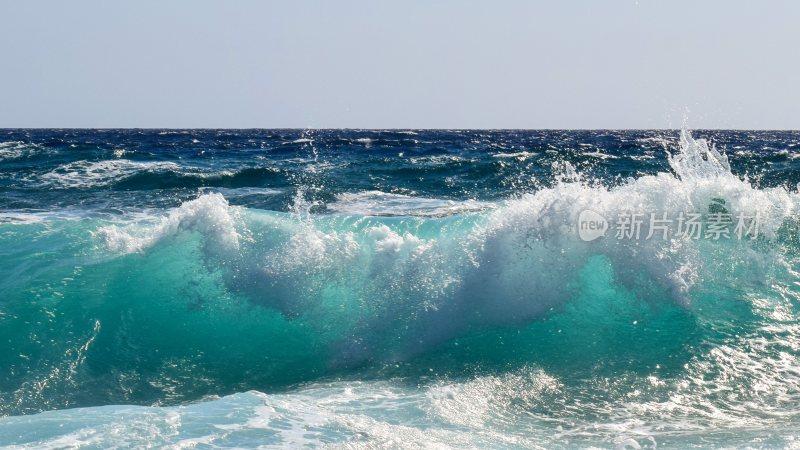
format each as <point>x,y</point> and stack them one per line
<point>527,408</point>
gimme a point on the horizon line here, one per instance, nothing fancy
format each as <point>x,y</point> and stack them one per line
<point>398,129</point>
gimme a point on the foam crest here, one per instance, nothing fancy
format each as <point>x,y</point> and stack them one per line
<point>377,203</point>
<point>86,174</point>
<point>210,215</point>
<point>11,150</point>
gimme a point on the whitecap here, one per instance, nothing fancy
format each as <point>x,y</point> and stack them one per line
<point>377,203</point>
<point>86,174</point>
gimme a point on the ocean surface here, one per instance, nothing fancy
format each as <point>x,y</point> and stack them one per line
<point>399,289</point>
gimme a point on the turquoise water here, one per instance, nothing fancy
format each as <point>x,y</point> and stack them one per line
<point>394,289</point>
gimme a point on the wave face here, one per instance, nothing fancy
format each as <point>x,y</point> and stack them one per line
<point>368,289</point>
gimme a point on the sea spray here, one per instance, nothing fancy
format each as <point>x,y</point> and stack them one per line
<point>404,293</point>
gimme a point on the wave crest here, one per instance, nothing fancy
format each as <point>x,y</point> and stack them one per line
<point>402,286</point>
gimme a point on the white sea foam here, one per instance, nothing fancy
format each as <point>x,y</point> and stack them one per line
<point>600,155</point>
<point>377,203</point>
<point>516,155</point>
<point>16,149</point>
<point>85,174</point>
<point>22,218</point>
<point>230,193</point>
<point>439,160</point>
<point>26,217</point>
<point>526,408</point>
<point>662,141</point>
<point>209,215</point>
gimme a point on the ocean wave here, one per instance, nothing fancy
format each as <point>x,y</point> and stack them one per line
<point>508,266</point>
<point>598,154</point>
<point>135,175</point>
<point>22,218</point>
<point>377,203</point>
<point>470,321</point>
<point>87,174</point>
<point>209,215</point>
<point>11,150</point>
<point>231,193</point>
<point>439,160</point>
<point>522,156</point>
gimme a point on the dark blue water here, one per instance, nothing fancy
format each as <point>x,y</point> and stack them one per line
<point>118,170</point>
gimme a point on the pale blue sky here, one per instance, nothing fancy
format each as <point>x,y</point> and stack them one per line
<point>400,64</point>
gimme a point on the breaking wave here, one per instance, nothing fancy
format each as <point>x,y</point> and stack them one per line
<point>498,312</point>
